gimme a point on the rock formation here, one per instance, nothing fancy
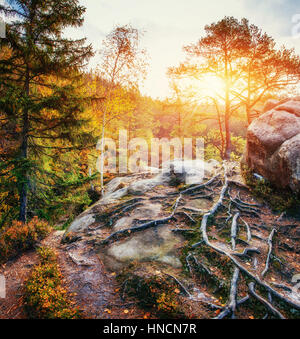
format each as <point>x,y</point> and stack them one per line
<point>273,144</point>
<point>184,246</point>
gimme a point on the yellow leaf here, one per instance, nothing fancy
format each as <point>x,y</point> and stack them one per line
<point>126,311</point>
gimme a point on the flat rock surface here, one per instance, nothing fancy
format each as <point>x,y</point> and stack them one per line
<point>91,268</point>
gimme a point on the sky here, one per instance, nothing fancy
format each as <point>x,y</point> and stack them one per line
<point>171,24</point>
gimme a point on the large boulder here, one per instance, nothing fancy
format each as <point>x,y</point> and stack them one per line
<point>273,144</point>
<point>186,172</point>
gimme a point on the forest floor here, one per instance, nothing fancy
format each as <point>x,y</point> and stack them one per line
<point>99,285</point>
<point>242,265</point>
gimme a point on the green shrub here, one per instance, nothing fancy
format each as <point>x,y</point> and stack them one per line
<point>45,296</point>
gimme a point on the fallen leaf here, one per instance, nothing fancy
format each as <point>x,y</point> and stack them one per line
<point>107,311</point>
<point>113,274</point>
<point>126,311</point>
<point>251,317</point>
<point>217,312</point>
<point>177,291</point>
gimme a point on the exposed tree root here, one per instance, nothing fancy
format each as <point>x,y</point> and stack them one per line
<point>230,309</point>
<point>233,290</point>
<point>244,270</point>
<point>121,209</point>
<point>180,284</point>
<point>231,257</point>
<point>126,232</point>
<point>117,235</point>
<point>199,265</point>
<point>270,242</point>
<point>227,311</point>
<point>267,304</point>
<point>248,229</point>
<point>247,252</point>
<point>192,209</point>
<point>239,200</point>
<point>236,209</point>
<point>190,218</point>
<point>198,187</point>
<point>234,230</point>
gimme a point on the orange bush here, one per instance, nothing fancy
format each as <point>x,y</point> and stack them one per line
<point>19,237</point>
<point>45,296</point>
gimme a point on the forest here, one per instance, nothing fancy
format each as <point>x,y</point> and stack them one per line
<point>56,111</point>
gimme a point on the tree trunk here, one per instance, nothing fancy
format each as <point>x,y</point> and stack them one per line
<point>102,153</point>
<point>227,112</point>
<point>220,128</point>
<point>102,141</point>
<point>248,112</point>
<point>227,132</point>
<point>24,156</point>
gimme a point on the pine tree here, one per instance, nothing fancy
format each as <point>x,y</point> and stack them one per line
<point>219,51</point>
<point>40,77</point>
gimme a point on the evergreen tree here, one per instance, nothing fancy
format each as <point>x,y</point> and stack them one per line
<point>40,79</point>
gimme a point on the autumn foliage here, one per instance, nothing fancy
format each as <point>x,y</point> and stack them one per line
<point>19,237</point>
<point>45,296</point>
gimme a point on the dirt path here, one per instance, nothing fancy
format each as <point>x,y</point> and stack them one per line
<point>16,272</point>
<point>96,291</point>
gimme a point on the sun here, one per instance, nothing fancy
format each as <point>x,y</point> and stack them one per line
<point>208,87</point>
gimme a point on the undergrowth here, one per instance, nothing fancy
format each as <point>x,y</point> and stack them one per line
<point>19,237</point>
<point>281,200</point>
<point>152,291</point>
<point>44,296</point>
